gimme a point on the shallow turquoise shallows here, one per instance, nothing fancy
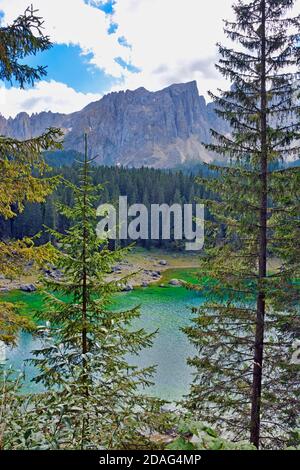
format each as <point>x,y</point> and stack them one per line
<point>165,309</point>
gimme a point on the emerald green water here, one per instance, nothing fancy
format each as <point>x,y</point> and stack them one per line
<point>165,309</point>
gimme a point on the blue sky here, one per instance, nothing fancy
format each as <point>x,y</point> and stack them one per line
<point>68,65</point>
<point>101,46</point>
<point>107,7</point>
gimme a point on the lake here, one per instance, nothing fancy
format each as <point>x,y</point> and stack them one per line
<point>165,309</point>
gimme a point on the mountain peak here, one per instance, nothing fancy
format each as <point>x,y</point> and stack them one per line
<point>135,127</point>
<point>191,86</point>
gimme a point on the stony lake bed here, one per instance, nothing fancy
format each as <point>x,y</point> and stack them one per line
<point>141,267</point>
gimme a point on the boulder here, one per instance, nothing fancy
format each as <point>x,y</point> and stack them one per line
<point>57,275</point>
<point>155,274</point>
<point>28,288</point>
<point>116,269</point>
<point>127,288</point>
<point>30,263</point>
<point>175,282</point>
<point>163,262</point>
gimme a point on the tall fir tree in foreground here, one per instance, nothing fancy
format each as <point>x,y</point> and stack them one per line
<point>245,380</point>
<point>95,397</point>
<point>22,168</point>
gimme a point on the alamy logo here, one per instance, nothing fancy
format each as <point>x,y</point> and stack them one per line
<point>163,222</point>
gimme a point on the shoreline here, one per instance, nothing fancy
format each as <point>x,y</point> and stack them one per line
<point>142,268</point>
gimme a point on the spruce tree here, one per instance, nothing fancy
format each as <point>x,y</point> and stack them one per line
<point>244,379</point>
<point>95,397</point>
<point>22,168</point>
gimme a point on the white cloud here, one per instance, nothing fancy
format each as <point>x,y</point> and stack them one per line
<point>78,23</point>
<point>45,96</point>
<point>170,41</point>
<point>173,40</point>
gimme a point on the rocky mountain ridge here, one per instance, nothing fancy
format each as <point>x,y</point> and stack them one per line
<point>132,128</point>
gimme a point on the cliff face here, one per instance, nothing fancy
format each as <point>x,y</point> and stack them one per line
<point>133,128</point>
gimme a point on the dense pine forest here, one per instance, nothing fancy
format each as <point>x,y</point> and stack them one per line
<point>142,186</point>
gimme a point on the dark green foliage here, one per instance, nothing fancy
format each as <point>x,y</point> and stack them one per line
<point>22,167</point>
<point>24,37</point>
<point>62,158</point>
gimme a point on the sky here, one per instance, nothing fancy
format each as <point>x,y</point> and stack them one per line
<point>101,46</point>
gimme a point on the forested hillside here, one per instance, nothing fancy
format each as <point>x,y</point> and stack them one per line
<point>143,186</point>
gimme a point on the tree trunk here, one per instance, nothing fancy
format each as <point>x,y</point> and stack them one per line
<point>84,298</point>
<point>84,273</point>
<point>260,318</point>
